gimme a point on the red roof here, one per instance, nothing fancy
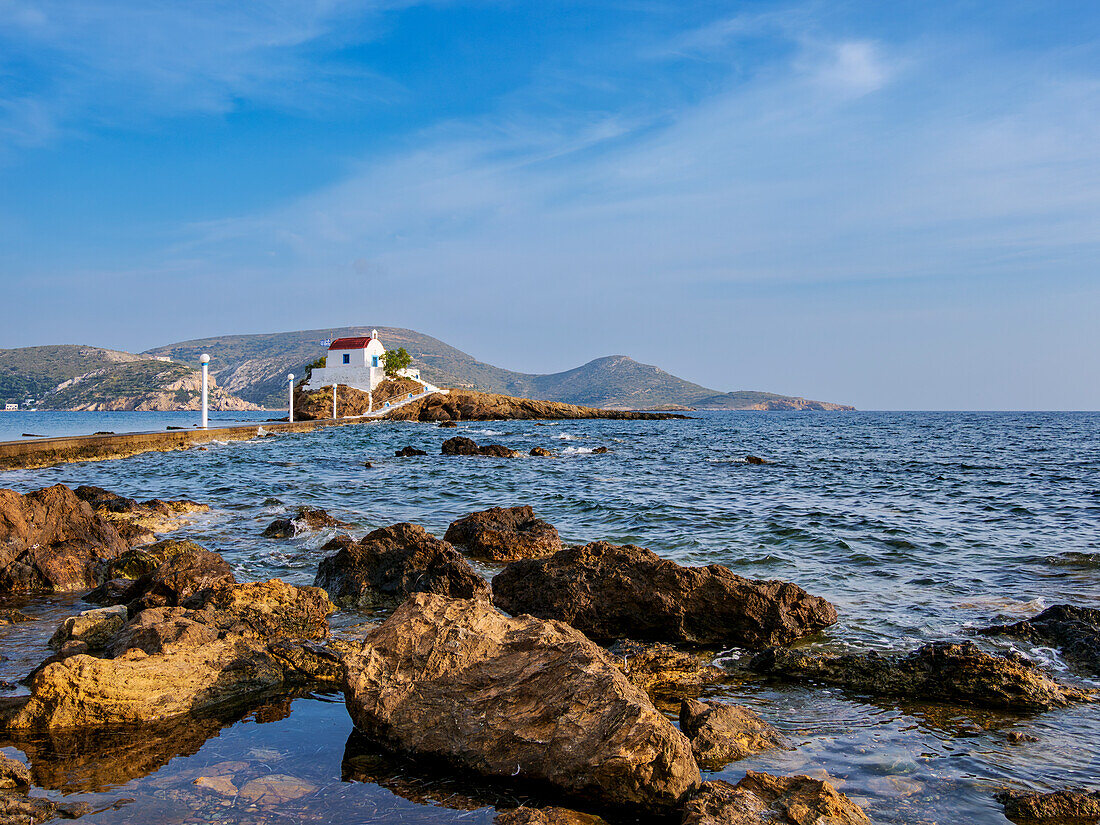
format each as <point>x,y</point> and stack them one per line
<point>350,343</point>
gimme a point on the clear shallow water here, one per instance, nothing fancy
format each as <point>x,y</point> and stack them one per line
<point>917,526</point>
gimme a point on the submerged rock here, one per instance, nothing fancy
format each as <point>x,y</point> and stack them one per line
<point>504,697</point>
<point>753,459</point>
<point>9,615</point>
<point>541,452</point>
<point>504,534</point>
<point>51,541</point>
<point>13,773</point>
<point>408,452</point>
<point>138,522</point>
<point>460,445</point>
<point>610,591</point>
<point>721,733</point>
<point>388,564</point>
<point>940,671</point>
<point>763,799</point>
<point>1074,630</point>
<point>1057,808</point>
<point>659,668</point>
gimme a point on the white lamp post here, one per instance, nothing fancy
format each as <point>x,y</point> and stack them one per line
<point>204,359</point>
<point>334,401</point>
<point>290,379</point>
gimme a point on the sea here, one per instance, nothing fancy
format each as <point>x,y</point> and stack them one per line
<point>918,526</point>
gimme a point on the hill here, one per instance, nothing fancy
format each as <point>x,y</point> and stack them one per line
<point>31,372</point>
<point>254,367</point>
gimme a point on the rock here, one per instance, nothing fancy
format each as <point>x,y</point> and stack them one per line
<point>138,522</point>
<point>752,459</point>
<point>600,451</point>
<point>545,816</point>
<point>460,445</point>
<point>515,697</point>
<point>408,452</point>
<point>51,541</point>
<point>317,404</point>
<point>610,591</point>
<point>221,785</point>
<point>20,809</point>
<point>187,573</point>
<point>721,733</point>
<point>1019,737</point>
<point>538,452</point>
<point>504,534</point>
<point>307,518</point>
<point>1057,808</point>
<point>93,627</point>
<point>272,610</point>
<point>388,564</point>
<point>763,799</point>
<point>13,773</point>
<point>446,424</point>
<point>164,630</point>
<point>469,405</point>
<point>940,671</point>
<point>275,789</point>
<point>659,668</point>
<point>368,465</point>
<point>1074,630</point>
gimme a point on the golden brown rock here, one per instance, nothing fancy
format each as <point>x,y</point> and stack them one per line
<point>546,816</point>
<point>51,541</point>
<point>658,668</point>
<point>1068,807</point>
<point>468,405</point>
<point>504,534</point>
<point>455,679</point>
<point>763,799</point>
<point>721,733</point>
<point>138,522</point>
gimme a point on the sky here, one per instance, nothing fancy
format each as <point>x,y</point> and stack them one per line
<point>892,205</point>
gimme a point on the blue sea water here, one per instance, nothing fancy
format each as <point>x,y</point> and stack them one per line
<point>917,526</point>
<point>23,425</point>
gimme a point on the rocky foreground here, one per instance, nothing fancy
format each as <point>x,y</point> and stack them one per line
<point>508,680</point>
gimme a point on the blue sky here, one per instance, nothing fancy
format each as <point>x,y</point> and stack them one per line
<point>894,205</point>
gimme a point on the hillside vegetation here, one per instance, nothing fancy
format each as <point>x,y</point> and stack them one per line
<point>31,372</point>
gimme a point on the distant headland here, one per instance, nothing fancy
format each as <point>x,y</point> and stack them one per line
<point>249,372</point>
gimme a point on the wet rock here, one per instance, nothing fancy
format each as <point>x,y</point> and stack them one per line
<point>1074,630</point>
<point>1067,807</point>
<point>447,424</point>
<point>460,445</point>
<point>388,564</point>
<point>272,610</point>
<point>219,784</point>
<point>941,671</point>
<point>610,591</point>
<point>93,627</point>
<point>18,808</point>
<point>455,679</point>
<point>660,669</point>
<point>138,522</point>
<point>546,816</point>
<point>600,451</point>
<point>753,459</point>
<point>9,615</point>
<point>307,518</point>
<point>1019,737</point>
<point>408,452</point>
<point>540,452</point>
<point>763,799</point>
<point>504,534</point>
<point>51,541</point>
<point>188,572</point>
<point>721,733</point>
<point>13,773</point>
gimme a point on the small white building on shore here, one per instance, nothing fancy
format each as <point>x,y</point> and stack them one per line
<point>351,362</point>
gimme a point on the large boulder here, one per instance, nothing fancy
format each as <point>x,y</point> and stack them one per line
<point>504,534</point>
<point>763,799</point>
<point>610,591</point>
<point>460,445</point>
<point>1074,630</point>
<point>237,642</point>
<point>523,698</point>
<point>1055,808</point>
<point>51,541</point>
<point>169,572</point>
<point>721,733</point>
<point>385,566</point>
<point>305,519</point>
<point>940,671</point>
<point>138,522</point>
